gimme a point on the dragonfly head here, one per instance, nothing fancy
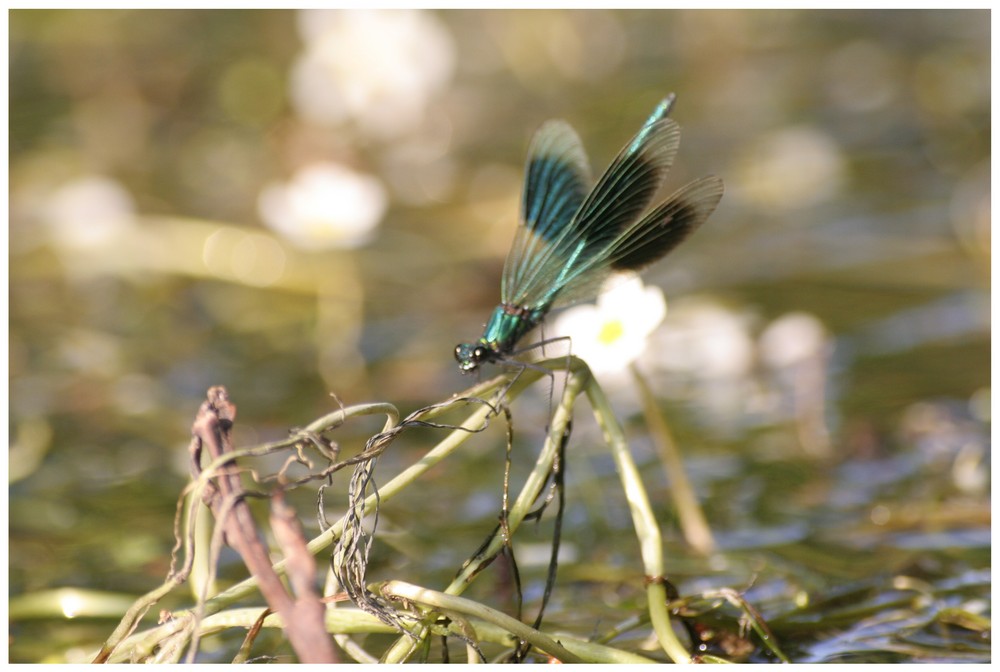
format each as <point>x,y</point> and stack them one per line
<point>471,355</point>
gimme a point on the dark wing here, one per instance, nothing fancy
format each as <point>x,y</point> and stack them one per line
<point>666,226</point>
<point>631,181</point>
<point>649,239</point>
<point>556,181</point>
<point>621,195</point>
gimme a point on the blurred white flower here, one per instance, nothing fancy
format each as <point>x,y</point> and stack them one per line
<point>612,334</point>
<point>791,339</point>
<point>705,340</point>
<point>791,168</point>
<point>91,352</point>
<point>705,353</point>
<point>863,75</point>
<point>324,206</point>
<point>89,213</point>
<point>796,347</point>
<point>381,68</point>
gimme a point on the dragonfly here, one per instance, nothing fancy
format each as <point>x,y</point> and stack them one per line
<point>572,237</point>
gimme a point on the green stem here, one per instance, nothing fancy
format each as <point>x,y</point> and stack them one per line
<point>495,626</point>
<point>406,591</point>
<point>692,520</point>
<point>535,483</point>
<point>530,492</point>
<point>646,527</point>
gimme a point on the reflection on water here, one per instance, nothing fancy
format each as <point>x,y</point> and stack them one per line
<point>299,203</point>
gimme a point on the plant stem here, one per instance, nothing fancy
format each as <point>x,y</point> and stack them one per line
<point>646,527</point>
<point>693,524</point>
<point>532,488</point>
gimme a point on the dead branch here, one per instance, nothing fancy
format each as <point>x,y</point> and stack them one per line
<point>303,617</point>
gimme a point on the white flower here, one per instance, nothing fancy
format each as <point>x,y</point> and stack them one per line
<point>705,340</point>
<point>380,68</point>
<point>792,168</point>
<point>89,213</point>
<point>705,354</point>
<point>791,339</point>
<point>324,206</point>
<point>612,334</point>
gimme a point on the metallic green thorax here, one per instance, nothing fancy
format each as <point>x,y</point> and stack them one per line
<point>506,327</point>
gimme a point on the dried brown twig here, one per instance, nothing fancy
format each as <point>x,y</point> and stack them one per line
<point>303,613</point>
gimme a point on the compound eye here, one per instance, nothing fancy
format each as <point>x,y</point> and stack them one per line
<point>479,354</point>
<point>465,354</point>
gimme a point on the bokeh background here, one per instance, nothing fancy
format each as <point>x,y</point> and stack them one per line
<point>300,203</point>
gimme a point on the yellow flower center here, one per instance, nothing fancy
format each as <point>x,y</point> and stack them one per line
<point>610,332</point>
